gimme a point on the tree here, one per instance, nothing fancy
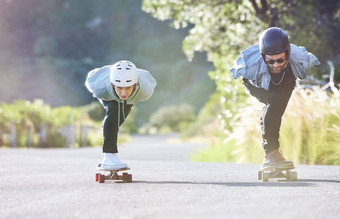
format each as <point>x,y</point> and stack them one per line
<point>226,26</point>
<point>219,28</point>
<point>222,28</point>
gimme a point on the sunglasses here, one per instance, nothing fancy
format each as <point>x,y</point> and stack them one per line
<point>271,61</point>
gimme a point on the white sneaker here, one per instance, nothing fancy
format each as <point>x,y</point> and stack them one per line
<point>111,162</point>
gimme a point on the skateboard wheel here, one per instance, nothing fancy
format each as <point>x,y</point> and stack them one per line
<point>97,176</point>
<point>124,176</point>
<point>259,174</point>
<point>101,178</point>
<point>288,175</point>
<point>129,178</point>
<point>293,176</point>
<point>265,177</point>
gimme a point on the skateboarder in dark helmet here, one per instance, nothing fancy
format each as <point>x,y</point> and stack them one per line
<point>118,87</point>
<point>269,71</point>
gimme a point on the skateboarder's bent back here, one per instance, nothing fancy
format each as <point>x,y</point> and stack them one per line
<point>118,87</point>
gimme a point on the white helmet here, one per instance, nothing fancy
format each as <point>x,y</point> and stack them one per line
<point>124,74</point>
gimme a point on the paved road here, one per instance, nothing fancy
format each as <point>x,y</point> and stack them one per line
<point>59,183</point>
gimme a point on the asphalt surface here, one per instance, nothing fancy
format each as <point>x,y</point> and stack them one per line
<point>60,183</point>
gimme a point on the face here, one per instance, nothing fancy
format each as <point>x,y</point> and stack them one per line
<point>123,92</point>
<point>276,63</point>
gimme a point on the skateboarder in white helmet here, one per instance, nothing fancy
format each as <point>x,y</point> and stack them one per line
<point>118,87</point>
<point>269,71</point>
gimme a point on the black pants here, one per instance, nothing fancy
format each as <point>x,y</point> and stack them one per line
<point>275,100</point>
<point>114,117</point>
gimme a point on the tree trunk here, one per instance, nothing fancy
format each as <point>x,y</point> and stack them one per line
<point>13,133</point>
<point>29,136</point>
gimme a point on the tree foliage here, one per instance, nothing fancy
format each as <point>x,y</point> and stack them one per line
<point>227,26</point>
<point>217,27</point>
<point>222,28</point>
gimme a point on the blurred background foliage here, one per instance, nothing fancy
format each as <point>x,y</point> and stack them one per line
<point>47,48</point>
<point>46,52</point>
<point>36,124</point>
<point>170,119</point>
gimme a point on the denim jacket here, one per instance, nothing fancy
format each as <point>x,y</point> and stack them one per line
<point>250,65</point>
<point>99,84</point>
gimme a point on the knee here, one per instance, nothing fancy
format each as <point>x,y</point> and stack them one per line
<point>110,108</point>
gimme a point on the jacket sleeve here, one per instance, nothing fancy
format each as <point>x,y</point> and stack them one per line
<point>249,64</point>
<point>302,60</point>
<point>313,60</point>
<point>147,85</point>
<point>239,68</point>
<point>96,82</point>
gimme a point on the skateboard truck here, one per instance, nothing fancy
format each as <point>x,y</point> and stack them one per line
<point>114,176</point>
<point>283,173</point>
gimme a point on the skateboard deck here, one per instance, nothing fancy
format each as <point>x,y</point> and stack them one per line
<point>113,175</point>
<point>277,172</point>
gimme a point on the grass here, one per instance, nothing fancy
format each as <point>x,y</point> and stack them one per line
<point>310,132</point>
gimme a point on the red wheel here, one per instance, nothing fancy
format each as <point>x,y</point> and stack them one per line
<point>101,178</point>
<point>124,176</point>
<point>129,178</point>
<point>97,176</point>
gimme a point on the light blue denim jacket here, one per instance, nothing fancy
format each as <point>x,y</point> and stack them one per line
<point>99,84</point>
<point>250,65</point>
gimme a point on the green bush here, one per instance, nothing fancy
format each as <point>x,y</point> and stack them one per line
<point>207,117</point>
<point>21,114</point>
<point>129,125</point>
<point>95,111</point>
<point>43,124</point>
<point>54,138</point>
<point>170,119</point>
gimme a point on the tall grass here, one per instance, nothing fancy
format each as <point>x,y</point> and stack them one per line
<point>310,132</point>
<point>311,128</point>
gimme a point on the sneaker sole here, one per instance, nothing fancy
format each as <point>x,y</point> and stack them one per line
<point>109,167</point>
<point>275,167</point>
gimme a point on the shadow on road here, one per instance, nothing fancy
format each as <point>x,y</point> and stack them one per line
<point>238,184</point>
<point>319,180</point>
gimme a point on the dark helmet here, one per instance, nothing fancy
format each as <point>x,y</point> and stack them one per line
<point>274,41</point>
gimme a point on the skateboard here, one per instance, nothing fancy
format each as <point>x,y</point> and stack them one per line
<point>275,172</point>
<point>113,175</point>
